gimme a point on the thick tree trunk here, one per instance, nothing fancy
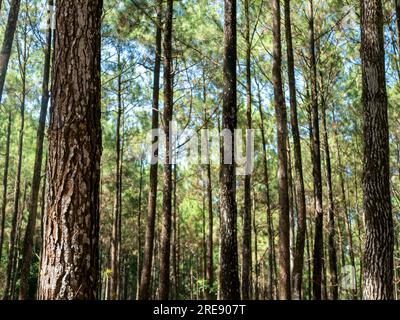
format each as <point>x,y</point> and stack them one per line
<point>282,133</point>
<point>167,186</point>
<point>246,246</point>
<point>5,183</point>
<point>37,171</point>
<point>144,291</point>
<point>379,242</point>
<point>316,160</point>
<point>69,267</point>
<point>301,199</point>
<point>8,42</point>
<point>229,277</point>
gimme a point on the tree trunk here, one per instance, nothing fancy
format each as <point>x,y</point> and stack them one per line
<point>256,265</point>
<point>167,186</point>
<point>139,228</point>
<point>229,277</point>
<point>144,291</point>
<point>8,42</point>
<point>5,182</point>
<point>69,268</point>
<point>379,242</point>
<point>331,211</point>
<point>281,121</point>
<point>246,246</point>
<point>209,275</point>
<point>316,160</point>
<point>16,261</point>
<point>271,246</point>
<point>301,200</point>
<point>116,230</point>
<point>344,203</point>
<point>13,233</point>
<point>37,171</point>
<point>175,260</point>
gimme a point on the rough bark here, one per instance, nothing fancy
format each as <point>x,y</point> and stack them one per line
<point>229,277</point>
<point>8,42</point>
<point>69,267</point>
<point>37,171</point>
<point>144,291</point>
<point>282,133</point>
<point>379,241</point>
<point>167,177</point>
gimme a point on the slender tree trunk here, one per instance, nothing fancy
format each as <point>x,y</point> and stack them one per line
<point>281,121</point>
<point>316,160</point>
<point>16,261</point>
<point>40,242</point>
<point>145,279</point>
<point>292,204</point>
<point>139,228</point>
<point>246,246</point>
<point>229,277</point>
<point>256,265</point>
<point>344,203</point>
<point>73,172</point>
<point>203,231</point>
<point>175,260</point>
<point>5,182</point>
<point>360,225</point>
<point>13,233</point>
<point>209,274</point>
<point>30,228</point>
<point>379,242</point>
<point>308,249</point>
<point>115,243</point>
<point>268,203</point>
<point>301,200</point>
<point>167,187</point>
<point>8,42</point>
<point>331,212</point>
